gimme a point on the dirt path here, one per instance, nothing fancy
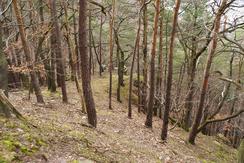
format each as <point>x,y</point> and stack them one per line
<point>117,138</point>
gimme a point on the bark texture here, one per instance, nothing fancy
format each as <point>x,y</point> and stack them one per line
<point>170,73</point>
<point>148,122</point>
<point>212,48</point>
<point>86,80</point>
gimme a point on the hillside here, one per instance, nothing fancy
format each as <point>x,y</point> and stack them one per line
<point>57,132</point>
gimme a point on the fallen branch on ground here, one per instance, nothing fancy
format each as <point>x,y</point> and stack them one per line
<point>5,101</point>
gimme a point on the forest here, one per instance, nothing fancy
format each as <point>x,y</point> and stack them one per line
<point>85,81</point>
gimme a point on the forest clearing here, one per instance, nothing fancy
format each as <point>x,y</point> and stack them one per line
<point>148,81</point>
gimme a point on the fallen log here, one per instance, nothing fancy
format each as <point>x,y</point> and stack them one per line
<point>8,107</point>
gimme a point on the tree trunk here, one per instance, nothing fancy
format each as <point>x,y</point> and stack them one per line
<point>119,63</point>
<point>191,73</point>
<point>145,57</point>
<point>72,56</point>
<point>138,73</point>
<point>119,76</point>
<point>28,55</point>
<point>132,68</point>
<point>170,73</point>
<point>77,63</point>
<point>160,64</point>
<point>86,80</point>
<point>148,122</point>
<point>3,74</point>
<point>91,65</point>
<point>188,101</point>
<point>212,48</point>
<point>57,50</point>
<point>111,45</point>
<point>100,44</point>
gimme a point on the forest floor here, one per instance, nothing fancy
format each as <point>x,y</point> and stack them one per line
<point>57,133</point>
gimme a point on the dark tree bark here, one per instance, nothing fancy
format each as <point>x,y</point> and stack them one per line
<point>132,68</point>
<point>119,63</point>
<point>3,74</point>
<point>91,64</point>
<point>212,48</point>
<point>86,80</point>
<point>138,73</point>
<point>170,73</point>
<point>57,50</point>
<point>119,74</point>
<point>100,44</point>
<point>145,58</point>
<point>28,55</point>
<point>148,122</point>
<point>111,47</point>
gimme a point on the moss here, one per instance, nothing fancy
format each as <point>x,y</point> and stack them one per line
<point>47,93</point>
<point>206,161</point>
<point>2,160</point>
<point>86,150</point>
<point>18,140</point>
<point>93,154</point>
<point>13,145</point>
<point>74,161</point>
<point>241,152</point>
<point>222,154</point>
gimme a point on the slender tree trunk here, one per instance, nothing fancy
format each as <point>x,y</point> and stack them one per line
<point>3,75</point>
<point>100,44</point>
<point>170,73</point>
<point>86,80</point>
<point>132,68</point>
<point>138,73</point>
<point>90,42</point>
<point>145,58</point>
<point>160,56</point>
<point>111,45</point>
<point>119,63</point>
<point>57,49</point>
<point>77,63</point>
<point>119,72</point>
<point>148,122</point>
<point>72,56</point>
<point>212,48</point>
<point>52,72</point>
<point>28,55</point>
<point>160,63</point>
